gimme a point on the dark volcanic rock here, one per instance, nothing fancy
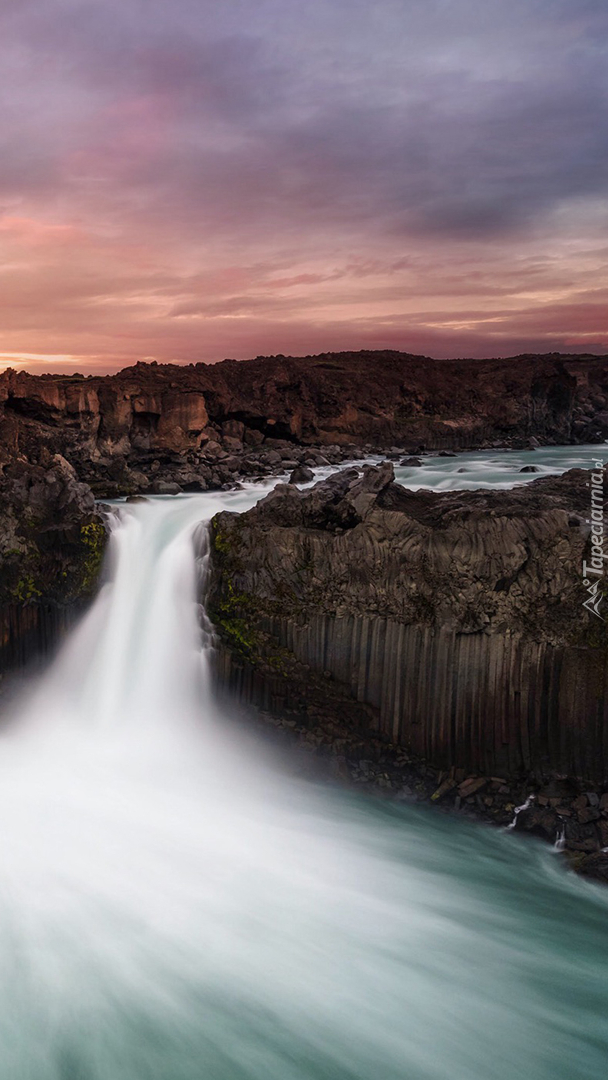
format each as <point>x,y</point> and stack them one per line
<point>538,821</point>
<point>166,487</point>
<point>301,475</point>
<point>594,866</point>
<point>117,430</point>
<point>51,545</point>
<point>456,616</point>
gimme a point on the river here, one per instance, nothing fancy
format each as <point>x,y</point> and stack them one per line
<point>175,906</point>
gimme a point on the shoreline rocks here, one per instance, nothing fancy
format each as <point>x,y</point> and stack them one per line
<point>554,812</point>
<point>210,424</point>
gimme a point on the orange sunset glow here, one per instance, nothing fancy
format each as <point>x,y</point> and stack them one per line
<point>190,183</point>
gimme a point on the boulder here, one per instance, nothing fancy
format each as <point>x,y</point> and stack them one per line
<point>301,475</point>
<point>164,487</point>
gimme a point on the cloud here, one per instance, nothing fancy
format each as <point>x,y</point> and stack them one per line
<point>332,160</point>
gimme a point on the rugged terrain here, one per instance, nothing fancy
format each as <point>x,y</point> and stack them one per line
<point>452,623</point>
<point>196,427</point>
<point>439,638</point>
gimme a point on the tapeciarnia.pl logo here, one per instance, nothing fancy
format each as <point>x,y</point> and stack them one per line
<point>593,571</point>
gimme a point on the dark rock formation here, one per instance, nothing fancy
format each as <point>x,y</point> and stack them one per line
<point>301,475</point>
<point>51,546</point>
<point>201,424</point>
<point>456,618</point>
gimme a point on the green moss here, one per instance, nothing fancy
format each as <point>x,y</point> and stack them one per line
<point>236,614</point>
<point>239,636</point>
<point>93,540</point>
<point>282,661</point>
<point>229,613</point>
<point>25,589</point>
<point>225,544</point>
<point>221,543</point>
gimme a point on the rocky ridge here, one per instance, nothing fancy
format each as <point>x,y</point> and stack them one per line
<point>202,426</point>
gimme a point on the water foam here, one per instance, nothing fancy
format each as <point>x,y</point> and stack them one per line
<point>172,907</point>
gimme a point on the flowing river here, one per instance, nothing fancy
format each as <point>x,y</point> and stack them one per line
<point>174,906</point>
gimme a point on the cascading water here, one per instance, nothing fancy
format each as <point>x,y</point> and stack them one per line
<point>173,908</point>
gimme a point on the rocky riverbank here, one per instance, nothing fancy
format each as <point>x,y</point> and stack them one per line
<point>165,428</point>
<point>435,644</point>
<point>559,810</point>
<point>439,639</point>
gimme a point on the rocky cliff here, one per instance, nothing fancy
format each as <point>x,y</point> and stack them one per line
<point>51,546</point>
<point>196,426</point>
<point>439,633</point>
<point>456,617</point>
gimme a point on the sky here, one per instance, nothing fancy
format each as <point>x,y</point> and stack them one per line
<point>187,180</point>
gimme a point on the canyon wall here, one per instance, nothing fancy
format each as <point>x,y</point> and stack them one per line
<point>167,422</point>
<point>455,620</point>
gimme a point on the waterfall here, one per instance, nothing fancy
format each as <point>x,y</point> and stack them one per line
<point>174,907</point>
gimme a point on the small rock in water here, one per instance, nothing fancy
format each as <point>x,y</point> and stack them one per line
<point>195,485</point>
<point>530,468</point>
<point>301,475</point>
<point>411,462</point>
<point>165,487</point>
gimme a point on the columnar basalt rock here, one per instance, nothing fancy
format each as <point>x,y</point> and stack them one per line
<point>456,617</point>
<point>435,643</point>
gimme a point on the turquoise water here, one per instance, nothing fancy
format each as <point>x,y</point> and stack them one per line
<point>174,906</point>
<point>485,469</point>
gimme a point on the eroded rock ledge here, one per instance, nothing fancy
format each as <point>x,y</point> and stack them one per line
<point>198,427</point>
<point>448,626</point>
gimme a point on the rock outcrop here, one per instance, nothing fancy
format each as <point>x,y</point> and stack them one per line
<point>436,644</point>
<point>51,546</point>
<point>456,618</point>
<point>199,425</point>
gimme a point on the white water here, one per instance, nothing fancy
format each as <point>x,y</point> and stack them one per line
<point>499,469</point>
<point>173,908</point>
